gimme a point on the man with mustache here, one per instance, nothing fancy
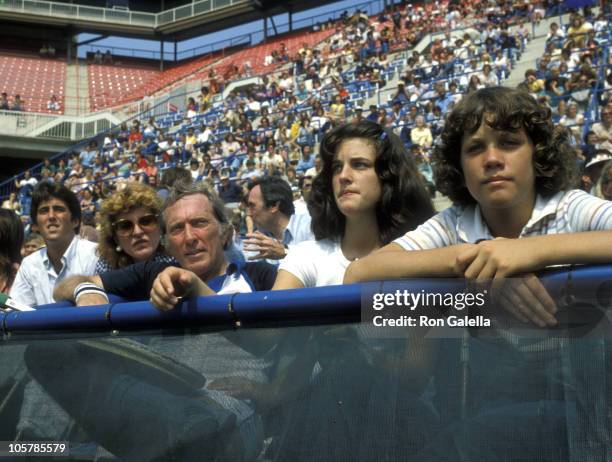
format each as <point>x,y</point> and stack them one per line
<point>57,213</point>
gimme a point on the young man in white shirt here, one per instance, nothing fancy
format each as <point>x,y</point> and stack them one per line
<point>57,213</point>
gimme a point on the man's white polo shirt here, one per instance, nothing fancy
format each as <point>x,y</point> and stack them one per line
<point>37,278</point>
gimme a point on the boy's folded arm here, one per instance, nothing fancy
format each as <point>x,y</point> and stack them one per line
<point>500,258</point>
<point>588,247</point>
<point>393,262</point>
<point>486,260</point>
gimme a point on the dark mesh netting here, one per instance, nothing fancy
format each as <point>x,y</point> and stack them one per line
<point>337,393</point>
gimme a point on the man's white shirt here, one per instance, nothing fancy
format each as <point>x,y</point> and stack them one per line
<point>37,278</point>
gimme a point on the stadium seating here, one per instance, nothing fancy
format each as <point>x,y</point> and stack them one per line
<point>34,79</point>
<point>110,84</point>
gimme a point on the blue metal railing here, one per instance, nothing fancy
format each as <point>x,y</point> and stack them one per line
<point>322,305</point>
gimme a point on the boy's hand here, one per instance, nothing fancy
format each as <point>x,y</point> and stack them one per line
<point>526,299</point>
<point>523,296</point>
<point>496,259</point>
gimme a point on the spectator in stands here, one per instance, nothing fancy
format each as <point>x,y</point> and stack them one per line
<point>250,171</point>
<point>135,137</point>
<point>53,104</point>
<point>205,138</point>
<point>488,155</point>
<point>87,156</point>
<point>194,168</point>
<point>488,77</point>
<point>577,32</point>
<point>593,170</point>
<point>531,83</point>
<point>270,205</point>
<point>573,120</point>
<point>581,92</point>
<point>230,145</point>
<point>603,188</point>
<point>190,141</point>
<point>474,84</point>
<point>204,99</point>
<point>11,240</point>
<point>108,57</point>
<point>57,214</point>
<point>316,168</point>
<point>18,104</point>
<point>4,102</point>
<point>87,203</point>
<point>373,115</point>
<point>123,134</point>
<point>443,99</point>
<point>25,186</point>
<point>305,134</point>
<point>32,243</point>
<point>192,107</point>
<point>307,160</point>
<point>151,129</point>
<point>555,35</point>
<point>421,134</point>
<point>305,187</point>
<point>229,191</point>
<point>130,230</point>
<point>603,129</point>
<point>589,146</point>
<point>364,166</point>
<point>337,109</point>
<point>12,203</point>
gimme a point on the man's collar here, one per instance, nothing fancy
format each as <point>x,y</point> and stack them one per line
<point>68,253</point>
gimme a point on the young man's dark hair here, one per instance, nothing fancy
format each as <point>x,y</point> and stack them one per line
<point>509,110</point>
<point>276,191</point>
<point>45,191</point>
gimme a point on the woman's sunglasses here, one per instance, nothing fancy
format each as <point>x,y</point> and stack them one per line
<point>126,227</point>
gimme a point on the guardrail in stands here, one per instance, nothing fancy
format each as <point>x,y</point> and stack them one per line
<point>135,18</point>
<point>322,305</point>
<point>88,13</point>
<point>32,124</point>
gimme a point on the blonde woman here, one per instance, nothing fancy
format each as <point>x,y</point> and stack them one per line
<point>130,230</point>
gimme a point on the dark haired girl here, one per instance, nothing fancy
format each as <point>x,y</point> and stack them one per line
<point>368,182</point>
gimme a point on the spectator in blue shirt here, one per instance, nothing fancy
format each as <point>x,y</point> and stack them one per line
<point>87,156</point>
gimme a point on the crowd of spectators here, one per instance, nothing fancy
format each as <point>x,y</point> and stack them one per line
<point>273,128</point>
<point>16,105</point>
<point>270,132</point>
